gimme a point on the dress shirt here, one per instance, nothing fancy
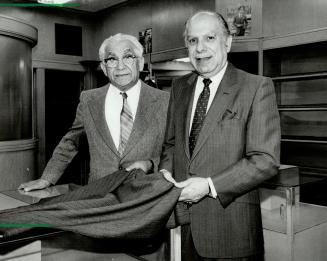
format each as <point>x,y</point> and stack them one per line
<point>114,105</point>
<point>213,90</point>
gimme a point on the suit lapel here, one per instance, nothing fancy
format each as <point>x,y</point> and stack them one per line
<point>145,110</point>
<point>97,108</point>
<point>224,95</point>
<point>186,109</point>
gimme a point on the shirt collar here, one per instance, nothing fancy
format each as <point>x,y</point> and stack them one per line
<point>131,92</point>
<point>216,79</point>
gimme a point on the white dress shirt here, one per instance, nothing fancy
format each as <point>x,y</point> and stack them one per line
<point>213,90</point>
<point>114,105</point>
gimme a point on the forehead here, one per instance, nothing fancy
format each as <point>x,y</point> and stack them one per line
<point>120,47</point>
<point>203,24</point>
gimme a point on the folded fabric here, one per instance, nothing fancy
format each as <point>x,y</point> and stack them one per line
<point>126,205</point>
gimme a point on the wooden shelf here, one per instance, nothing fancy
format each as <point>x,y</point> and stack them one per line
<point>305,141</point>
<point>299,77</point>
<point>320,107</point>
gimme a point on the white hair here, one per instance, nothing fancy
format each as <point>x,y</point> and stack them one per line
<point>138,49</point>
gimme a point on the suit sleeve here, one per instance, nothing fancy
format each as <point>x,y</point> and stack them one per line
<point>66,149</point>
<point>167,155</point>
<point>262,148</point>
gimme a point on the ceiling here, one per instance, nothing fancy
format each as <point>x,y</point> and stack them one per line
<point>95,5</point>
<point>82,5</point>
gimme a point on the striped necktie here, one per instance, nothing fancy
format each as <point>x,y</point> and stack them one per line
<point>126,124</point>
<point>199,114</point>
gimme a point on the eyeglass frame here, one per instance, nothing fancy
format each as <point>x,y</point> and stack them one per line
<point>133,56</point>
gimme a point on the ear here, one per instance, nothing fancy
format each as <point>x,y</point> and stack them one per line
<point>141,63</point>
<point>104,69</point>
<point>228,43</point>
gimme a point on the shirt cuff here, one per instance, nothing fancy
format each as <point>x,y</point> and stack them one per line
<point>213,192</point>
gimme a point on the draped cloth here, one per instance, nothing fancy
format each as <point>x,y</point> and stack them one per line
<point>123,205</point>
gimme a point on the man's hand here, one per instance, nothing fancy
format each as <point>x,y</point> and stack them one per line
<point>144,165</point>
<point>34,185</point>
<point>194,189</point>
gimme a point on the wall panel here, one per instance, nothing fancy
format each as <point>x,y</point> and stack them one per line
<point>282,17</point>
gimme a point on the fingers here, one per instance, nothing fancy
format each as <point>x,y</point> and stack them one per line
<point>136,165</point>
<point>26,185</point>
<point>167,175</point>
<point>143,165</point>
<point>130,167</point>
<point>34,185</point>
<point>183,184</point>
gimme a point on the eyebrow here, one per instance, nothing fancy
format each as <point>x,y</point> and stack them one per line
<point>127,50</point>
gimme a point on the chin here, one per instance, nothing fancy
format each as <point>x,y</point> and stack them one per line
<point>204,71</point>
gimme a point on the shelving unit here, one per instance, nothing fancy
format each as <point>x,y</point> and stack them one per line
<point>299,73</point>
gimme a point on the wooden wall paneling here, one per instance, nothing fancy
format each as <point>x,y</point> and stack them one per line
<point>129,18</point>
<point>44,20</point>
<point>39,88</point>
<point>169,55</point>
<point>17,161</point>
<point>288,16</point>
<point>298,38</point>
<point>166,18</point>
<point>169,17</point>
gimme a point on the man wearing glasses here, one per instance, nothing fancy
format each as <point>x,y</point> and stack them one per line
<point>124,121</point>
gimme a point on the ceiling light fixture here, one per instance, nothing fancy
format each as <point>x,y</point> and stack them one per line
<point>53,2</point>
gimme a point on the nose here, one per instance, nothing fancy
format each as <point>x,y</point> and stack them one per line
<point>120,64</point>
<point>199,46</point>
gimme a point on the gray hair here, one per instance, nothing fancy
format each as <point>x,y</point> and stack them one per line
<point>221,20</point>
<point>138,48</point>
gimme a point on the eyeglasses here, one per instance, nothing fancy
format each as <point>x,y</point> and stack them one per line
<point>112,61</point>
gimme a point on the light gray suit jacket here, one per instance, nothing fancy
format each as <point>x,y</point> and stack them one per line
<point>145,141</point>
<point>238,147</point>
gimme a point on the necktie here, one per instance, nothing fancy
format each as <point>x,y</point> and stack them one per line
<point>199,114</point>
<point>126,124</point>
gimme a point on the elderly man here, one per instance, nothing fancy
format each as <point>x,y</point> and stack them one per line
<point>124,121</point>
<point>222,141</point>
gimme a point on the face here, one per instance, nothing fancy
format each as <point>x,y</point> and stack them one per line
<point>207,46</point>
<point>125,74</point>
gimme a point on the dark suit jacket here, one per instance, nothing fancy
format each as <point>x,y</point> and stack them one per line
<point>238,147</point>
<point>144,143</point>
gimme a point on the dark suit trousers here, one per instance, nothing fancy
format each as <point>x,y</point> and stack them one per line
<point>189,252</point>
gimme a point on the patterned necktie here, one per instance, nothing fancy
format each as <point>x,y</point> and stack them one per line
<point>199,114</point>
<point>126,124</point>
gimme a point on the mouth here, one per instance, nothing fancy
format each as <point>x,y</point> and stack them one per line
<point>202,59</point>
<point>121,75</point>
